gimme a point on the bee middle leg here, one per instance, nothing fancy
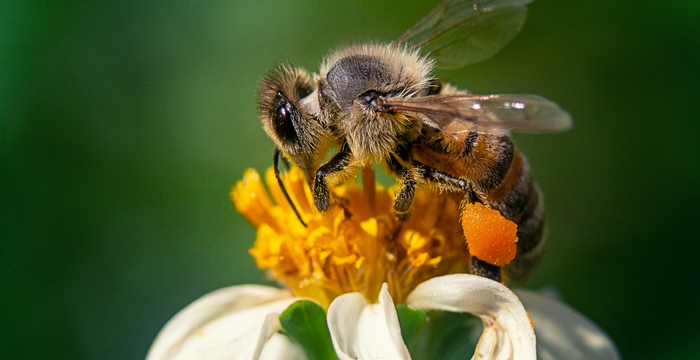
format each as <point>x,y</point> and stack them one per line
<point>407,191</point>
<point>339,162</point>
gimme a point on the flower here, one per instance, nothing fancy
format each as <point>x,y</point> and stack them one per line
<point>356,260</point>
<point>564,333</point>
<point>355,246</point>
<point>235,322</point>
<point>241,322</point>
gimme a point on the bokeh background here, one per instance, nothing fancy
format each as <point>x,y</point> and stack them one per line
<point>124,124</point>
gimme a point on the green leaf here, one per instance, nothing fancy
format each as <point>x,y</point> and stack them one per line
<point>305,322</point>
<point>438,335</point>
<point>411,322</point>
<point>452,335</point>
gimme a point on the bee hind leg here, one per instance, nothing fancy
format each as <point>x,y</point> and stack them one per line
<point>451,182</point>
<point>477,266</point>
<point>482,268</point>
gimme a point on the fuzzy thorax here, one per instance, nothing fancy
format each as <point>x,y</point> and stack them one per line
<point>353,80</point>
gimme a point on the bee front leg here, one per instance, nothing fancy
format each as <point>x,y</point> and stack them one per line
<point>339,162</point>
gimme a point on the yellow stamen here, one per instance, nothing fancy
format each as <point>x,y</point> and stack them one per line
<point>357,244</point>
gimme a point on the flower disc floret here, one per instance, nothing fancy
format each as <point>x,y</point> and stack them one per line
<point>354,246</point>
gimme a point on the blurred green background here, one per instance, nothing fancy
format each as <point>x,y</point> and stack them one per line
<point>123,125</point>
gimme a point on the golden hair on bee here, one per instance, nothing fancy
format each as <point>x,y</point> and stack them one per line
<point>352,74</point>
<point>409,68</point>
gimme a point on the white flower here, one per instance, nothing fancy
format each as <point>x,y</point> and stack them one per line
<point>241,322</point>
<point>563,333</point>
<point>230,323</point>
<point>357,251</point>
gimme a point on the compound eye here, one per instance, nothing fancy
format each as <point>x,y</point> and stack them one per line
<point>282,123</point>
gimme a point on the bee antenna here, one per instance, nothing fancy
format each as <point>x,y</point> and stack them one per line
<point>275,165</point>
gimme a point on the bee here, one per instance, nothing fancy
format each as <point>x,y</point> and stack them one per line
<point>380,103</point>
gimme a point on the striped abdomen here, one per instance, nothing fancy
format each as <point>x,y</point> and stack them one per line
<point>496,175</point>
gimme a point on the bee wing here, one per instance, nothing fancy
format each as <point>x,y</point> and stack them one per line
<point>485,113</point>
<point>461,32</point>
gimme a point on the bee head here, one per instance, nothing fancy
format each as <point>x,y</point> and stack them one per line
<point>286,99</point>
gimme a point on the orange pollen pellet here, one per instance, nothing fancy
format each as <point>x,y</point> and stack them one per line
<point>490,236</point>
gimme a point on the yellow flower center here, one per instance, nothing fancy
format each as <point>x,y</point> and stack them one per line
<point>357,244</point>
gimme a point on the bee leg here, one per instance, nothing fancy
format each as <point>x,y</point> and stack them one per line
<point>482,268</point>
<point>477,266</point>
<point>404,197</point>
<point>453,183</point>
<point>275,166</point>
<point>322,196</point>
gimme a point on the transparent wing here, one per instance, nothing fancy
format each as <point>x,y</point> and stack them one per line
<point>485,113</point>
<point>461,32</point>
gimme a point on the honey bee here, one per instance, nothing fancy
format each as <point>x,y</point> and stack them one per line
<point>380,103</point>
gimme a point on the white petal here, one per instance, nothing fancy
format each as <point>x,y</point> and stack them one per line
<point>563,333</point>
<point>360,330</point>
<point>227,323</point>
<point>281,347</point>
<point>508,333</point>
